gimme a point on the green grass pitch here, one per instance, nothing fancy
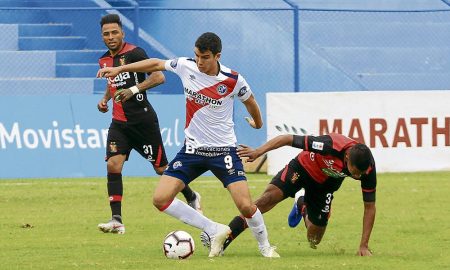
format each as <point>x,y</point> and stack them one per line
<point>52,224</point>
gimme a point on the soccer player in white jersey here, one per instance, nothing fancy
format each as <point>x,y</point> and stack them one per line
<point>210,141</point>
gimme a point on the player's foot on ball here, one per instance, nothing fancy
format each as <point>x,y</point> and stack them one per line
<point>295,216</point>
<point>112,226</point>
<point>269,252</point>
<point>218,239</point>
<point>196,203</point>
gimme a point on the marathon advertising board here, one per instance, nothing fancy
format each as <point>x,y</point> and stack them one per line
<point>407,130</point>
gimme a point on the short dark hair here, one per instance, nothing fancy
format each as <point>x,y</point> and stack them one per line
<point>111,18</point>
<point>360,156</point>
<point>209,41</point>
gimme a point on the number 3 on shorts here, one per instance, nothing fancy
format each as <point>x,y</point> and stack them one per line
<point>228,161</point>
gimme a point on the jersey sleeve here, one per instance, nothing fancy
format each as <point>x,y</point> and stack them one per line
<point>317,144</point>
<point>369,184</point>
<point>138,55</point>
<point>175,65</point>
<point>243,90</point>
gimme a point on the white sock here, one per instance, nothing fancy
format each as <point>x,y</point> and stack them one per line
<point>256,224</point>
<point>180,210</point>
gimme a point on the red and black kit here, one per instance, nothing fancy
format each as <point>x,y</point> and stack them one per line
<point>320,168</point>
<point>135,123</point>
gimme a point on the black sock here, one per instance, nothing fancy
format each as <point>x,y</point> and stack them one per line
<point>115,192</point>
<point>237,225</point>
<point>188,193</point>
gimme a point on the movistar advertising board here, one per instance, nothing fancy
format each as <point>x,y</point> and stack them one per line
<point>65,136</point>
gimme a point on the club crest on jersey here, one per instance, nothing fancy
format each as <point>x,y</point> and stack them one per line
<point>122,61</point>
<point>174,63</point>
<point>221,89</point>
<point>112,147</point>
<point>294,177</point>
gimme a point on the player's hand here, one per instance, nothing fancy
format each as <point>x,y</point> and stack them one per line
<point>107,72</point>
<point>250,121</point>
<point>102,105</point>
<point>248,152</point>
<point>364,251</point>
<point>122,95</point>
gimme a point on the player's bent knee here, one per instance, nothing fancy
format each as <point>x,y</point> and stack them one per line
<point>159,202</point>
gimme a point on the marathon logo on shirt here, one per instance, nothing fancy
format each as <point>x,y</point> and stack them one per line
<point>201,99</point>
<point>120,80</point>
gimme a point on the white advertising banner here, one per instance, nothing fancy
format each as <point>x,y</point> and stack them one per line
<point>406,130</point>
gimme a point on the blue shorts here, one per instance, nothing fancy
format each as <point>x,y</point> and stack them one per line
<point>223,162</point>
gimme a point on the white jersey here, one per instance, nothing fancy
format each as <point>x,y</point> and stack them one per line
<point>209,102</point>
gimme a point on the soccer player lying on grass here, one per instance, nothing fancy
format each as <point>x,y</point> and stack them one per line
<point>312,177</point>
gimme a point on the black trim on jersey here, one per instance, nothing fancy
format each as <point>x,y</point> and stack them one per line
<point>191,59</point>
<point>298,141</point>
<point>235,77</point>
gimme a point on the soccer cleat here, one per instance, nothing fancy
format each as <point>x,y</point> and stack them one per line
<point>112,226</point>
<point>205,239</point>
<point>295,216</point>
<point>217,240</point>
<point>269,252</point>
<point>196,203</point>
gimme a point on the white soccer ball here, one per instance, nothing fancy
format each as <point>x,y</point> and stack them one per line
<point>178,245</point>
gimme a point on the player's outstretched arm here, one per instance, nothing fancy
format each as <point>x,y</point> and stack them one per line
<point>368,221</point>
<point>254,111</point>
<point>277,142</point>
<point>147,65</point>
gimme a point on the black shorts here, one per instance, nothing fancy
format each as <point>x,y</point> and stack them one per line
<point>144,137</point>
<point>318,197</point>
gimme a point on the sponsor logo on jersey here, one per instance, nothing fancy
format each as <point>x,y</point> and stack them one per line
<point>120,80</point>
<point>241,173</point>
<point>177,164</point>
<point>317,146</point>
<point>231,171</point>
<point>222,89</point>
<point>191,77</point>
<point>201,99</point>
<point>242,91</point>
<point>332,172</point>
<point>174,63</point>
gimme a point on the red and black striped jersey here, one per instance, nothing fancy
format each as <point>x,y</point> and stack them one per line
<point>323,159</point>
<point>137,107</point>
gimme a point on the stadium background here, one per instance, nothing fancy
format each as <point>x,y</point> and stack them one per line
<point>49,50</point>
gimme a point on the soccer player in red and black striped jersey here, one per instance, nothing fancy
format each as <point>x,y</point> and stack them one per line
<point>312,177</point>
<point>134,124</point>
